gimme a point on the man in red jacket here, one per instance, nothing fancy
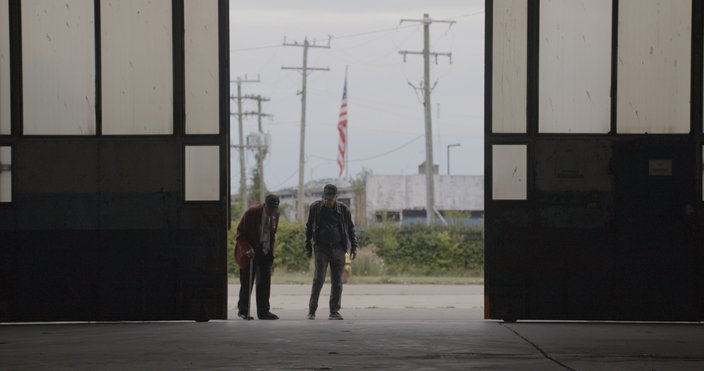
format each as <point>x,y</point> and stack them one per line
<point>255,242</point>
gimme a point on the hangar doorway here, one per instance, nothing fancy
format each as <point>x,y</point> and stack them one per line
<point>114,160</point>
<point>593,160</point>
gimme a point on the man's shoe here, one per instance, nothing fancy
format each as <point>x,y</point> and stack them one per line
<point>335,316</point>
<point>243,315</point>
<point>267,315</point>
<point>311,316</point>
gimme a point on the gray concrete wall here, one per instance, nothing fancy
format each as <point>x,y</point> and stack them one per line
<point>399,192</point>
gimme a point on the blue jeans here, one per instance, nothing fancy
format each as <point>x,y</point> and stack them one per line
<point>324,256</point>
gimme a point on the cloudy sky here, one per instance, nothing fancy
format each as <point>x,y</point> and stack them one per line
<point>386,124</point>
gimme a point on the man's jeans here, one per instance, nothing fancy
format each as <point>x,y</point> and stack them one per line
<point>335,257</point>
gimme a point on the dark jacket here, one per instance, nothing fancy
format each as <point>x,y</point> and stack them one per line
<point>349,238</point>
<point>248,234</point>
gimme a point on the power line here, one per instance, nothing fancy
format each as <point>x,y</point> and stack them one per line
<point>254,48</point>
<point>468,15</point>
<point>375,156</point>
<point>389,152</point>
<point>331,37</point>
<point>350,35</point>
<point>371,32</point>
<point>285,180</point>
<point>399,27</point>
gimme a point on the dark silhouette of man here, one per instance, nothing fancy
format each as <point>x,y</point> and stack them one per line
<point>330,226</point>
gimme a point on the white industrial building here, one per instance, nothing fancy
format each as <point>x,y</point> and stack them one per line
<point>458,198</point>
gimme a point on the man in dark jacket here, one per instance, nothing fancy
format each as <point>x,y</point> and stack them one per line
<point>330,226</point>
<point>255,243</point>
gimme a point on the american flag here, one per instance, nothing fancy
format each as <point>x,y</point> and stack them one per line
<point>342,129</point>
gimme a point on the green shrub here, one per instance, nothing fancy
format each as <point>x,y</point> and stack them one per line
<point>427,250</point>
<point>368,263</point>
<point>388,249</point>
<point>290,247</point>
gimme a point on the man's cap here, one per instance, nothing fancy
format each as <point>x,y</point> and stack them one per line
<point>329,192</point>
<point>271,201</point>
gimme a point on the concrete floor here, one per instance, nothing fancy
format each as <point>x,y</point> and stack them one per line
<point>413,331</point>
<point>377,301</point>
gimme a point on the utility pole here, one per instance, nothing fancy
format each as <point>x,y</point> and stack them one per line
<point>243,171</point>
<point>429,182</point>
<point>262,145</point>
<point>300,211</point>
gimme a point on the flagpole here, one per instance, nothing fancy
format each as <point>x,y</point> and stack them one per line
<point>347,132</point>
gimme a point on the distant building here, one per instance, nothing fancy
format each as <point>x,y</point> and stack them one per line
<point>459,199</point>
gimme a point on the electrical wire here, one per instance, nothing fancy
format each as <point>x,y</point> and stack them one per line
<point>285,180</point>
<point>369,32</point>
<point>333,37</point>
<point>254,48</point>
<point>389,152</point>
<point>468,15</point>
<point>375,156</point>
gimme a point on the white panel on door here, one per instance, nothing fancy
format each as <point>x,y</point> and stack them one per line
<point>4,68</point>
<point>202,173</point>
<point>654,66</point>
<point>509,172</point>
<point>137,66</point>
<point>202,67</point>
<point>58,67</point>
<point>575,66</point>
<point>509,67</point>
<point>5,174</point>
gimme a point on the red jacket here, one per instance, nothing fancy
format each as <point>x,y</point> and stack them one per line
<point>248,234</point>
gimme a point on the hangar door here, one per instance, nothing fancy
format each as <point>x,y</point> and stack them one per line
<point>113,159</point>
<point>593,144</point>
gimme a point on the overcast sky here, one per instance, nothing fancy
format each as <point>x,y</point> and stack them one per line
<point>386,124</point>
